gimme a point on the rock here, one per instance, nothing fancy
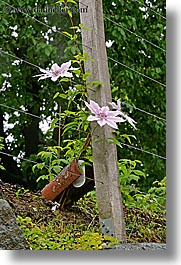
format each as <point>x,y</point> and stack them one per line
<point>138,246</point>
<point>11,237</point>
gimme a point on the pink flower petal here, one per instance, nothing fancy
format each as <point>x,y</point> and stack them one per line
<point>66,74</point>
<point>93,106</point>
<point>131,121</point>
<point>92,118</point>
<point>73,68</point>
<point>104,109</point>
<point>56,71</point>
<point>119,104</point>
<point>44,76</point>
<point>113,113</point>
<point>115,119</point>
<point>101,122</point>
<point>55,68</point>
<point>44,71</point>
<point>112,124</point>
<point>113,105</point>
<point>55,77</point>
<point>65,66</point>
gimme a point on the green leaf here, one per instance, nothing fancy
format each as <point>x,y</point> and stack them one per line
<point>38,166</point>
<point>74,27</point>
<point>62,95</point>
<point>2,168</point>
<point>86,75</point>
<point>64,79</point>
<point>57,169</point>
<point>53,123</point>
<point>124,169</point>
<point>43,177</point>
<point>67,34</point>
<point>71,1</point>
<point>69,13</point>
<point>47,51</point>
<point>60,1</point>
<point>56,95</point>
<point>134,177</point>
<point>70,126</point>
<point>140,173</point>
<point>33,168</point>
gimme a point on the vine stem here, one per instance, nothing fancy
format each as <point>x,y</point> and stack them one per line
<point>59,130</point>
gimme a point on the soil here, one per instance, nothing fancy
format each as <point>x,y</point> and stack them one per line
<point>31,204</point>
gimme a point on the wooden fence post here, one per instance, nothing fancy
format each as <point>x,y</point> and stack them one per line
<point>104,154</point>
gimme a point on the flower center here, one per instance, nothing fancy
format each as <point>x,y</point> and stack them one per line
<point>56,72</point>
<point>102,115</point>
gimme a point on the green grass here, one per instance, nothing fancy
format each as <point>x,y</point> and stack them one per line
<point>57,234</point>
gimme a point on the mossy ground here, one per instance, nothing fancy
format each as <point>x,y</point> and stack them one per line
<point>78,227</point>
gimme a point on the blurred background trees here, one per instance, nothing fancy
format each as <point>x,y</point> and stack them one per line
<point>34,37</point>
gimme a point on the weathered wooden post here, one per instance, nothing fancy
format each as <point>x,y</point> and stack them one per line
<point>104,154</point>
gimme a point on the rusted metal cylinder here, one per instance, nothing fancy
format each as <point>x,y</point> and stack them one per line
<point>69,174</point>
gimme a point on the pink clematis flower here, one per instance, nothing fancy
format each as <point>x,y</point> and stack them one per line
<point>118,108</point>
<point>103,115</point>
<point>56,71</point>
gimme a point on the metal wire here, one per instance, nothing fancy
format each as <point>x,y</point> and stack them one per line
<point>146,76</point>
<point>31,161</point>
<point>63,125</point>
<point>71,81</point>
<point>150,8</point>
<point>133,33</point>
<point>89,47</point>
<point>144,151</point>
<point>86,45</point>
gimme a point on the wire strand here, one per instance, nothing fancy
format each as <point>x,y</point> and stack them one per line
<point>139,149</point>
<point>35,19</point>
<point>19,110</point>
<point>146,112</point>
<point>35,116</point>
<point>42,23</point>
<point>133,33</point>
<point>31,161</point>
<point>63,125</point>
<point>151,9</point>
<point>146,76</point>
<point>6,53</point>
<point>31,64</point>
<point>88,47</point>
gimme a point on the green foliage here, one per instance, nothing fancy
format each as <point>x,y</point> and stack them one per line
<point>1,147</point>
<point>58,235</point>
<point>133,88</point>
<point>145,217</point>
<point>50,165</point>
<point>143,189</point>
<point>145,226</point>
<point>43,46</point>
<point>21,192</point>
<point>154,200</point>
<point>93,241</point>
<point>128,173</point>
<point>88,204</point>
